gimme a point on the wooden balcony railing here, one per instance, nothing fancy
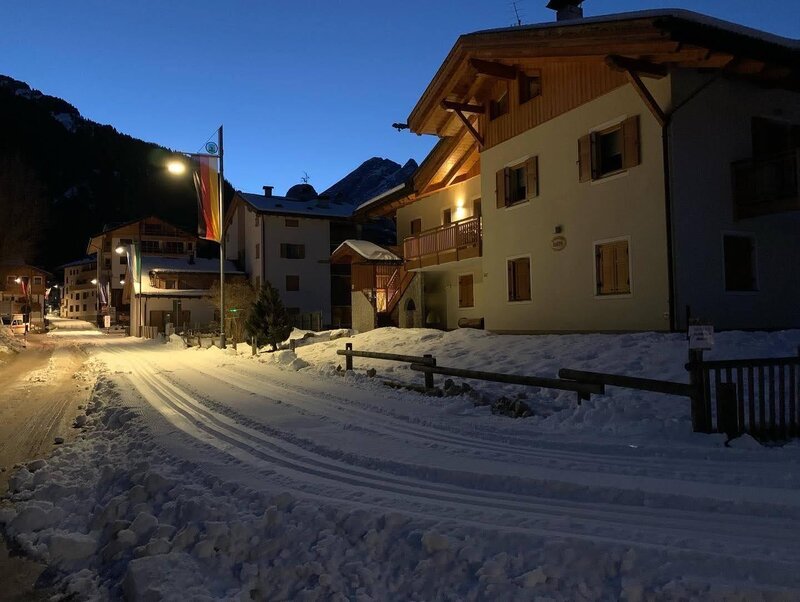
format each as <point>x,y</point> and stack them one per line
<point>762,186</point>
<point>452,242</point>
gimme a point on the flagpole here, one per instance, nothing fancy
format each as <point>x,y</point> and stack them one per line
<point>221,246</point>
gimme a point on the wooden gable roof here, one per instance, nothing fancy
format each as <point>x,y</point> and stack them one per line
<point>651,41</point>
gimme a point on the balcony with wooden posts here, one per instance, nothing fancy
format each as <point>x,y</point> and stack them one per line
<point>452,242</point>
<point>769,185</point>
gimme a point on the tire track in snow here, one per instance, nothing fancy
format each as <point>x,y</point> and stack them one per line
<point>354,412</point>
<point>693,531</point>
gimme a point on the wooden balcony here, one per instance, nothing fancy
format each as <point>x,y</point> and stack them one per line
<point>445,244</point>
<point>763,186</point>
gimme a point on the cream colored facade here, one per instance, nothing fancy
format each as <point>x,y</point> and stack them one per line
<point>436,298</point>
<point>628,205</point>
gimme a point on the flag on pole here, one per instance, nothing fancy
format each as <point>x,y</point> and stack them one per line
<point>134,258</point>
<point>23,283</point>
<point>206,182</point>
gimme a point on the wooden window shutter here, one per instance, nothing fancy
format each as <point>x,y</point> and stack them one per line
<point>585,158</point>
<point>416,226</point>
<point>465,294</point>
<point>622,268</point>
<point>605,269</point>
<point>532,175</point>
<point>511,283</point>
<point>523,270</point>
<point>631,149</point>
<point>502,189</point>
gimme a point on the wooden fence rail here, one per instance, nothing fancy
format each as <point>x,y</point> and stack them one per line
<point>427,359</point>
<point>630,382</point>
<point>584,390</point>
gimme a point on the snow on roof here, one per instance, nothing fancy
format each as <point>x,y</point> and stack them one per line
<point>368,250</point>
<point>318,207</point>
<point>381,196</point>
<point>686,15</point>
<point>156,263</point>
<point>149,290</point>
<point>79,262</point>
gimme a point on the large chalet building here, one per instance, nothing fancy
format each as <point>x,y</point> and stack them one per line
<point>154,237</point>
<point>22,289</point>
<point>625,172</point>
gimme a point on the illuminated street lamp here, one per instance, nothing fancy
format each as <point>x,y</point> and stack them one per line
<point>93,280</point>
<point>209,205</point>
<point>176,167</point>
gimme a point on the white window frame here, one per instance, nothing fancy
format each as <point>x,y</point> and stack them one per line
<point>594,267</point>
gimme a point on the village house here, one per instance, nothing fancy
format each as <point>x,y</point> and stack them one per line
<point>287,241</point>
<point>22,289</point>
<point>154,237</point>
<point>174,290</point>
<point>625,172</point>
<point>79,292</point>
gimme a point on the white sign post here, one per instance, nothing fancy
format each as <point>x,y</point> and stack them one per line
<point>701,336</point>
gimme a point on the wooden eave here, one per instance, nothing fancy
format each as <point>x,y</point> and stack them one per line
<point>661,43</point>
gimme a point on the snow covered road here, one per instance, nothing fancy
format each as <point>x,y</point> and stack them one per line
<point>476,506</point>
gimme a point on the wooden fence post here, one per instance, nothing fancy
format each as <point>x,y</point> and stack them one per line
<point>698,396</point>
<point>728,419</point>
<point>429,375</point>
<point>348,359</point>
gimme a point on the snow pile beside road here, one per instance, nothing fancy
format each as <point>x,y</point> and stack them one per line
<point>621,412</point>
<point>8,342</point>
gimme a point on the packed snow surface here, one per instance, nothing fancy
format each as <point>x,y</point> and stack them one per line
<point>215,474</point>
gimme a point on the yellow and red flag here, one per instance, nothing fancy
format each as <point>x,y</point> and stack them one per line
<point>206,182</point>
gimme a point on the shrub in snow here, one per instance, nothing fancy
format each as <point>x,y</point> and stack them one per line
<point>267,320</point>
<point>515,408</point>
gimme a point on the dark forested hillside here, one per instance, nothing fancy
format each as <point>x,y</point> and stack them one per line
<point>62,177</point>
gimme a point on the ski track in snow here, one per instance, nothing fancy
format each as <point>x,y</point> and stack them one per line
<point>396,495</point>
<point>767,539</point>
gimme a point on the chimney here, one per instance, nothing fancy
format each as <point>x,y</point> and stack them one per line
<point>566,10</point>
<point>268,190</point>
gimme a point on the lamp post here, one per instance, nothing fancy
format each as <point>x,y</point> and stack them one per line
<point>135,253</point>
<point>177,167</point>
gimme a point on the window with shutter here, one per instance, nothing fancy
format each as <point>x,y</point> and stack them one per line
<point>612,269</point>
<point>416,226</point>
<point>465,291</point>
<point>532,175</point>
<point>447,217</point>
<point>609,151</point>
<point>740,263</point>
<point>519,279</point>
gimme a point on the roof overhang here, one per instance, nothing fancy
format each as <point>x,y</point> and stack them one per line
<point>663,39</point>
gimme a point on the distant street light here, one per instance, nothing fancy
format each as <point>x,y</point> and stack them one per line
<point>94,281</point>
<point>18,280</point>
<point>120,250</point>
<point>122,282</point>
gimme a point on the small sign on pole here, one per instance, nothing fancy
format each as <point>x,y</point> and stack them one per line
<point>701,336</point>
<point>106,322</point>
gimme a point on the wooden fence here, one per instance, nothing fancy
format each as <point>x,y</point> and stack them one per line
<point>758,396</point>
<point>427,365</point>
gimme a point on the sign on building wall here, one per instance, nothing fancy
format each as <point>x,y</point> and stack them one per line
<point>558,243</point>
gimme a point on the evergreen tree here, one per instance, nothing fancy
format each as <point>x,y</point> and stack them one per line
<point>267,321</point>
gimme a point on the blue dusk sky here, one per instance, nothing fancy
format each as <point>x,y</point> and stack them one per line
<point>301,86</point>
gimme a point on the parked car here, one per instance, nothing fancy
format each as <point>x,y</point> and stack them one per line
<point>18,324</point>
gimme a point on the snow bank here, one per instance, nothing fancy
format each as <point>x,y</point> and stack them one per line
<point>622,412</point>
<point>9,344</point>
